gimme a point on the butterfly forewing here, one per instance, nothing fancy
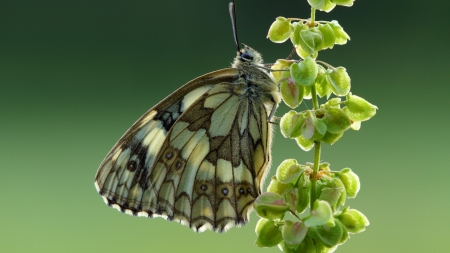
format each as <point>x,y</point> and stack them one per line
<point>199,156</point>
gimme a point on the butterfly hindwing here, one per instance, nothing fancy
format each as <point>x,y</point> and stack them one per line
<point>124,169</point>
<point>200,155</point>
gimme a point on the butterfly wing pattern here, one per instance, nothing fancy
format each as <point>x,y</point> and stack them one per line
<point>200,156</point>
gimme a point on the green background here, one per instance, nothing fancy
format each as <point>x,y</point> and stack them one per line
<point>74,75</point>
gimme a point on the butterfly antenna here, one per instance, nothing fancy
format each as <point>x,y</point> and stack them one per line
<point>232,9</point>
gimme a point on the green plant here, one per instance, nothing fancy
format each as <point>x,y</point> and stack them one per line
<point>314,194</point>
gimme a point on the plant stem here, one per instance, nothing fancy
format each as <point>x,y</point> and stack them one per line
<point>313,17</point>
<point>315,171</point>
<point>317,150</point>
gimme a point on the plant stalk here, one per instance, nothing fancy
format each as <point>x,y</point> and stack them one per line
<point>317,151</point>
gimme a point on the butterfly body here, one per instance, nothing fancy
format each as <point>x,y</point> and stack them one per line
<point>200,155</point>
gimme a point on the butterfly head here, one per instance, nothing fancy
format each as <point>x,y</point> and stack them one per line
<point>247,56</point>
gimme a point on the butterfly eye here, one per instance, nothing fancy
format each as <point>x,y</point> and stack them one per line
<point>246,56</point>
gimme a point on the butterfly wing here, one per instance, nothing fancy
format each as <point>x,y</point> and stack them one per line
<point>198,157</point>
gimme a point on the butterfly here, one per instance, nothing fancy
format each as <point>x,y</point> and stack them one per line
<point>200,155</point>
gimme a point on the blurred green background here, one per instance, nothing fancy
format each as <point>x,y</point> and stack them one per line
<point>74,75</point>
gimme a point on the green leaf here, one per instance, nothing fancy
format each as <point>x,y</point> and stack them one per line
<point>280,30</point>
<point>268,234</point>
<point>270,206</point>
<point>341,36</point>
<point>291,123</point>
<point>321,214</point>
<point>304,72</point>
<point>294,233</point>
<point>353,220</point>
<point>336,120</point>
<point>289,171</point>
<point>339,80</point>
<point>358,109</point>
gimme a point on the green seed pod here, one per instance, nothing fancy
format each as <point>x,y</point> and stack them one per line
<point>305,144</point>
<point>268,234</point>
<point>350,180</point>
<point>330,235</point>
<point>291,123</point>
<point>303,193</point>
<point>294,233</point>
<point>270,206</point>
<point>358,109</point>
<point>328,36</point>
<point>330,138</point>
<point>280,30</point>
<point>322,84</point>
<point>276,186</point>
<point>289,171</point>
<point>341,36</point>
<point>304,72</point>
<point>347,3</point>
<point>323,5</point>
<point>353,220</point>
<point>339,80</point>
<point>280,64</point>
<point>336,120</point>
<point>291,93</point>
